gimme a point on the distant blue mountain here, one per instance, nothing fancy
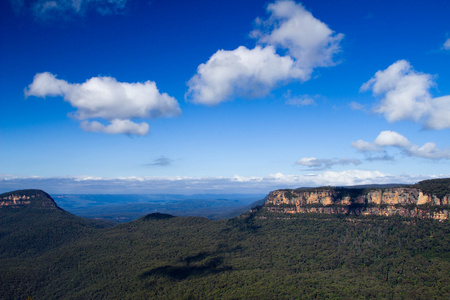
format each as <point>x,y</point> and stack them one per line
<point>127,207</point>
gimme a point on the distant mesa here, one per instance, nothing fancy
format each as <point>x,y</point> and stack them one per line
<point>27,199</point>
<point>426,199</point>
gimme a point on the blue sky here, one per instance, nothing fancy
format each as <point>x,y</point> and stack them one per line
<point>222,96</point>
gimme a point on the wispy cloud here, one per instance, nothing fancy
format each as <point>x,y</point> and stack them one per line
<point>307,42</point>
<point>446,45</point>
<point>198,185</point>
<point>60,9</point>
<point>160,161</point>
<point>317,164</point>
<point>357,106</point>
<point>393,139</point>
<point>405,95</point>
<point>302,100</point>
<point>382,157</point>
<point>107,99</point>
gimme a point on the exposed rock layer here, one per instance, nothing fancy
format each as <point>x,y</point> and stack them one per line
<point>27,198</point>
<point>408,201</point>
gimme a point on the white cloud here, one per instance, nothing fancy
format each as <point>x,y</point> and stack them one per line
<point>391,138</point>
<point>290,26</point>
<point>429,150</point>
<point>446,45</point>
<point>440,115</point>
<point>116,126</point>
<point>406,96</point>
<point>241,72</point>
<point>394,139</point>
<point>196,185</point>
<point>255,72</point>
<point>365,146</point>
<point>106,98</point>
<point>321,164</point>
<point>308,161</point>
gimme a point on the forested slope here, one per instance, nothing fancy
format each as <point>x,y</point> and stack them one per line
<point>258,255</point>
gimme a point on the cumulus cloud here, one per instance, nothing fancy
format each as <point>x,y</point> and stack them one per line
<point>446,45</point>
<point>107,99</point>
<point>47,9</point>
<point>321,164</point>
<point>116,126</point>
<point>405,95</point>
<point>241,72</point>
<point>306,42</point>
<point>290,26</point>
<point>394,139</point>
<point>198,185</point>
<point>429,150</point>
<point>391,138</point>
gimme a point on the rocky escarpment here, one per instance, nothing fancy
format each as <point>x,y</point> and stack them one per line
<point>27,198</point>
<point>426,199</point>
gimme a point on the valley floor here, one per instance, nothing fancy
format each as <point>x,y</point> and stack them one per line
<point>256,256</point>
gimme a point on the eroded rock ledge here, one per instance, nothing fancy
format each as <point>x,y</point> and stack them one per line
<point>27,198</point>
<point>426,199</point>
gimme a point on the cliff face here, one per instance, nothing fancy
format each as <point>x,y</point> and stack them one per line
<point>27,198</point>
<point>409,201</point>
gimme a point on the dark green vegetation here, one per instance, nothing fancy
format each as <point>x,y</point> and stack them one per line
<point>438,187</point>
<point>51,254</point>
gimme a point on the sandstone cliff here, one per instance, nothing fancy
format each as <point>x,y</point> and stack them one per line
<point>426,199</point>
<point>27,198</point>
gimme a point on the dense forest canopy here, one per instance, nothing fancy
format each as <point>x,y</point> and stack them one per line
<point>51,254</point>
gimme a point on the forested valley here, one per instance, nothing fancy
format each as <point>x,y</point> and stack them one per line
<point>52,254</point>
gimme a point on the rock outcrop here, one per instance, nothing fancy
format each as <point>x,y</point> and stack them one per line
<point>27,198</point>
<point>426,199</point>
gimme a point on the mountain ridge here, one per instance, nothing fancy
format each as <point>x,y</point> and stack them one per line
<point>27,198</point>
<point>425,199</point>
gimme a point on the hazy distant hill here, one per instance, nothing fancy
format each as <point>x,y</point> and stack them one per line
<point>124,208</point>
<point>52,254</point>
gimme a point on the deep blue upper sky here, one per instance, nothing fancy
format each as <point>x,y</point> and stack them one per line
<point>222,96</point>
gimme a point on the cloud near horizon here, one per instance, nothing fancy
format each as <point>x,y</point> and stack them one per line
<point>107,99</point>
<point>201,185</point>
<point>405,95</point>
<point>393,139</point>
<point>251,73</point>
